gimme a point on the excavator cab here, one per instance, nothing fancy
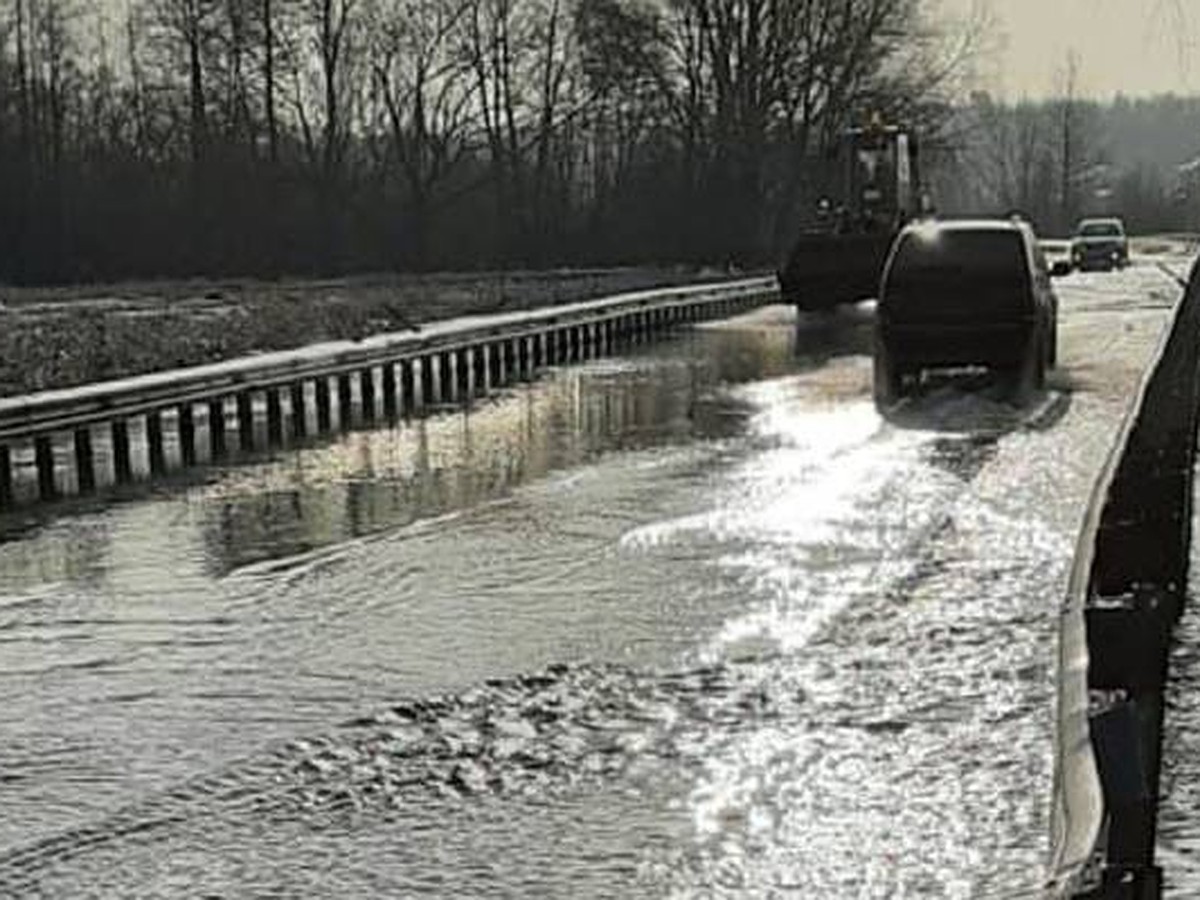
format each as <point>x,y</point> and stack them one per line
<point>839,257</point>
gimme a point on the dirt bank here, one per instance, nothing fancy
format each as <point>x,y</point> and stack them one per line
<point>58,337</point>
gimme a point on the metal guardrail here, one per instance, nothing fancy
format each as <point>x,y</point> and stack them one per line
<point>1127,590</point>
<point>70,407</point>
<point>486,348</point>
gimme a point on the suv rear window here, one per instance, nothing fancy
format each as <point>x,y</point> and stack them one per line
<point>977,253</point>
<point>1100,229</point>
<point>952,275</point>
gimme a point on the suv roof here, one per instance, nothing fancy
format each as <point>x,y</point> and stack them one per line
<point>931,226</point>
<point>972,223</point>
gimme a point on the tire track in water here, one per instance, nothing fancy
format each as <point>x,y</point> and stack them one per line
<point>568,727</point>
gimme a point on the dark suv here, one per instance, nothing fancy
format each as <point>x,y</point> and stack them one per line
<point>1100,244</point>
<point>960,294</point>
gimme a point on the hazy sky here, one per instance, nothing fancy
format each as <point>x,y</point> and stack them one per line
<point>1137,47</point>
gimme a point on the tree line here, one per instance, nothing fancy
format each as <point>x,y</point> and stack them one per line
<point>1061,158</point>
<point>269,137</point>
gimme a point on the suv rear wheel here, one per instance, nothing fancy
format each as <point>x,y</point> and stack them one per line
<point>888,377</point>
<point>1029,376</point>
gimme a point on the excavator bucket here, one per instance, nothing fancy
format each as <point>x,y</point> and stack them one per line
<point>824,270</point>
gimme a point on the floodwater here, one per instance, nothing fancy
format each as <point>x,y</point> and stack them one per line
<point>691,622</point>
<point>1178,846</point>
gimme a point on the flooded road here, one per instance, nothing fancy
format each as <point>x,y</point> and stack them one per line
<point>692,622</point>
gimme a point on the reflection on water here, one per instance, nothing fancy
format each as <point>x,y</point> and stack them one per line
<point>369,481</point>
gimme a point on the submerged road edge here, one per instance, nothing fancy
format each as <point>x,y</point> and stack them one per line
<point>1126,591</point>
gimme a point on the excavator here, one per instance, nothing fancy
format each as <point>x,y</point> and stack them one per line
<point>838,258</point>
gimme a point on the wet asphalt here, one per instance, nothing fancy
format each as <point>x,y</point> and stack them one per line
<point>698,621</point>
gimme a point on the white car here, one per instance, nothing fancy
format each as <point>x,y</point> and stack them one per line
<point>1100,244</point>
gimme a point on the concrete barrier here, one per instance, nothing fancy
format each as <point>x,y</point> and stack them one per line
<point>1127,590</point>
<point>198,412</point>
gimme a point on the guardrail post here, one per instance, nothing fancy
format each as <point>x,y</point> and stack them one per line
<point>85,463</point>
<point>217,445</point>
<point>366,381</point>
<point>154,443</point>
<point>274,417</point>
<point>187,434</point>
<point>408,386</point>
<point>445,376</point>
<point>519,359</point>
<point>43,450</point>
<point>345,402</point>
<point>299,411</point>
<point>479,371</point>
<point>122,459</point>
<point>323,401</point>
<point>245,419</point>
<point>462,374</point>
<point>391,409</point>
<point>428,395</point>
<point>6,487</point>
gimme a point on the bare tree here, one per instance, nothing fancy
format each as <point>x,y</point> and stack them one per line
<point>426,91</point>
<point>323,95</point>
<point>1067,151</point>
